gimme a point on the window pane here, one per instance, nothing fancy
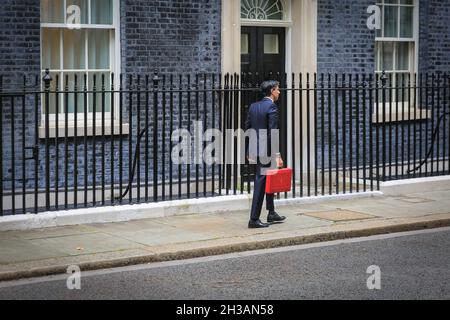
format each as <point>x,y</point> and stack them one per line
<point>377,56</point>
<point>74,49</point>
<point>406,22</point>
<point>98,91</point>
<point>101,12</point>
<point>410,2</point>
<point>403,80</point>
<point>83,5</point>
<point>99,49</point>
<point>403,56</point>
<point>51,48</point>
<point>390,21</point>
<point>271,44</point>
<point>52,11</point>
<point>244,43</point>
<point>387,62</point>
<point>391,1</point>
<point>71,88</point>
<point>262,9</point>
<point>274,10</point>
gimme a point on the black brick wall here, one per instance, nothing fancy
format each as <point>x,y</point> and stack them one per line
<point>19,37</point>
<point>19,57</point>
<point>434,39</point>
<point>181,36</point>
<point>344,43</point>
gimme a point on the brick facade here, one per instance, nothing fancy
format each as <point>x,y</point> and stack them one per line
<point>176,36</point>
<point>20,37</point>
<point>434,36</point>
<point>344,43</point>
<point>19,57</point>
<point>184,37</point>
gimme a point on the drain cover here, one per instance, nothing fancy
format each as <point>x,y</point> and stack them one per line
<point>415,200</point>
<point>339,215</point>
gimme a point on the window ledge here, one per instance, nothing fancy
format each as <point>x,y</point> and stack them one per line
<point>80,130</point>
<point>405,113</point>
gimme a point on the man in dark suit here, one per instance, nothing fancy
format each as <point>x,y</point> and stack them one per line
<point>263,117</point>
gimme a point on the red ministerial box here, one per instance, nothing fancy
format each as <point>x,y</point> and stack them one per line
<point>278,180</point>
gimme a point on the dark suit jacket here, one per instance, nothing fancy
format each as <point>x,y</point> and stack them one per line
<point>262,115</point>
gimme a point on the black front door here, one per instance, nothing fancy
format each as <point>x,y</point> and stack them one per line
<point>263,58</point>
<point>263,52</point>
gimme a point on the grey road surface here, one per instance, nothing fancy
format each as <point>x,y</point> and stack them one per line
<point>414,265</point>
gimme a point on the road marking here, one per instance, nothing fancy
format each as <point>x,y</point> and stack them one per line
<point>165,264</point>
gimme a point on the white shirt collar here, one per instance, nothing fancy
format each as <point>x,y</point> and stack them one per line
<point>269,99</point>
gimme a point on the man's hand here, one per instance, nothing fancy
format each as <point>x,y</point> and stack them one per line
<point>280,162</point>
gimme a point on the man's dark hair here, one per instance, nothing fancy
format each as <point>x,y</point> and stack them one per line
<point>267,86</point>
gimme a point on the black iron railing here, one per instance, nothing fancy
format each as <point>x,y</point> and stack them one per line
<point>95,140</point>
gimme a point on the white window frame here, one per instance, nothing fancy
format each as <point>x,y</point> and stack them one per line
<point>413,52</point>
<point>114,53</point>
<point>285,22</point>
<point>409,111</point>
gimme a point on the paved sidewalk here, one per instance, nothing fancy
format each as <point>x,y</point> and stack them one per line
<point>41,252</point>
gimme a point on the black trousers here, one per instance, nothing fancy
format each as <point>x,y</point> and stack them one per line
<point>258,195</point>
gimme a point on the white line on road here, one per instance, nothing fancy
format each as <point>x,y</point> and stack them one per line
<point>166,264</point>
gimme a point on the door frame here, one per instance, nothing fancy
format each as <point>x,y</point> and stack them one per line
<point>259,60</point>
<point>263,63</point>
<point>300,24</point>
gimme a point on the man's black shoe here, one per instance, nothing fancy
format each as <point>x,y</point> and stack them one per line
<point>254,224</point>
<point>275,217</point>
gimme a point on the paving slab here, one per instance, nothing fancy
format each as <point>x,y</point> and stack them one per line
<point>392,206</point>
<point>75,245</point>
<point>17,250</point>
<point>117,227</point>
<point>299,221</point>
<point>219,227</point>
<point>47,232</point>
<point>302,208</point>
<point>158,237</point>
<point>440,195</point>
